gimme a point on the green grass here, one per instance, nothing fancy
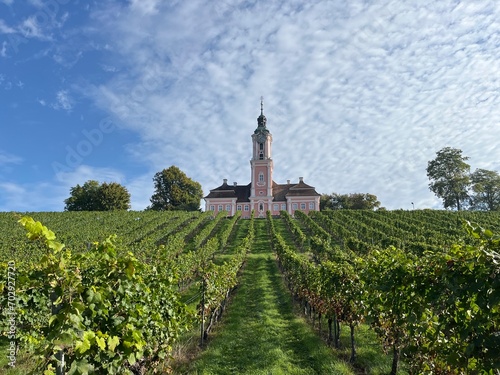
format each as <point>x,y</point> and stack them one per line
<point>24,362</point>
<point>261,334</point>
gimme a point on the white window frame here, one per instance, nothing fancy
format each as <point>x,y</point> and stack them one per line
<point>302,206</point>
<point>311,205</point>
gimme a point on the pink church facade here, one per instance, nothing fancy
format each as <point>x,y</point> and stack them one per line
<point>262,194</point>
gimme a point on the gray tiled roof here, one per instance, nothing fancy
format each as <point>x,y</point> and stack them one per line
<point>280,191</point>
<point>240,192</point>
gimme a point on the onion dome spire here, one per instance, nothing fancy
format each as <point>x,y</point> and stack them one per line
<point>261,120</point>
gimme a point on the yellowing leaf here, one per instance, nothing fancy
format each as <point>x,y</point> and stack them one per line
<point>113,342</point>
<point>101,342</point>
<point>82,346</point>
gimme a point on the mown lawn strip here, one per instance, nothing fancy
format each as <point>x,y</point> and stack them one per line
<point>260,333</point>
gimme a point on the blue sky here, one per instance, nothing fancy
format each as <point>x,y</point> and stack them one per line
<point>359,95</point>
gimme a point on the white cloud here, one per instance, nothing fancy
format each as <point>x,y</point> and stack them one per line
<point>358,96</point>
<point>83,173</point>
<point>145,6</point>
<point>6,29</point>
<point>63,101</point>
<point>8,158</point>
<point>30,28</point>
<point>30,197</point>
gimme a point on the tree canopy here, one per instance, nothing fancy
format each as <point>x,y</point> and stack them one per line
<point>452,181</point>
<point>174,190</point>
<point>486,186</point>
<point>92,196</point>
<point>449,175</point>
<point>354,201</point>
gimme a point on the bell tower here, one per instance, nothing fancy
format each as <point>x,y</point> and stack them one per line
<point>261,194</point>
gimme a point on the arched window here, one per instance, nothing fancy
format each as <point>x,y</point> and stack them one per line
<point>261,207</point>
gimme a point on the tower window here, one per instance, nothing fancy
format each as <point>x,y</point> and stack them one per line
<point>261,207</point>
<point>261,177</point>
<point>261,156</point>
<point>261,146</point>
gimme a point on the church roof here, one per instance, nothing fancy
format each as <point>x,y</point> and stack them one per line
<point>280,191</point>
<point>301,189</point>
<point>240,192</point>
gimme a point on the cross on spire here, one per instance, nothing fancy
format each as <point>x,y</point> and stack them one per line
<point>261,120</point>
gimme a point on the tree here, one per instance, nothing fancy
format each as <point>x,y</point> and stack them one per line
<point>355,201</point>
<point>95,197</point>
<point>113,196</point>
<point>486,186</point>
<point>175,191</point>
<point>332,201</point>
<point>449,175</point>
<point>362,201</point>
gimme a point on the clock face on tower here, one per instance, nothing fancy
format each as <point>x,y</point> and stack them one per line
<point>261,138</point>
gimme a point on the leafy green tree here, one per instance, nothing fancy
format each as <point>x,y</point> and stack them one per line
<point>354,201</point>
<point>332,201</point>
<point>92,196</point>
<point>113,196</point>
<point>175,191</point>
<point>362,201</point>
<point>486,186</point>
<point>449,175</point>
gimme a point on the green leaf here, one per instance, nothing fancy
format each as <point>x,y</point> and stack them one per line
<point>56,246</point>
<point>82,346</point>
<point>81,367</point>
<point>101,342</point>
<point>131,358</point>
<point>113,342</point>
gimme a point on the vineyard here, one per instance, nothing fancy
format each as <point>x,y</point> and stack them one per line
<point>113,292</point>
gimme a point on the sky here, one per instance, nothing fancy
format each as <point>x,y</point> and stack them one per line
<point>359,95</point>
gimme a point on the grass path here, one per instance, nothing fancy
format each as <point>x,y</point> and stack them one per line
<point>260,333</point>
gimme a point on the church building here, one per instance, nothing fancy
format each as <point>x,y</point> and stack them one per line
<point>262,193</point>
